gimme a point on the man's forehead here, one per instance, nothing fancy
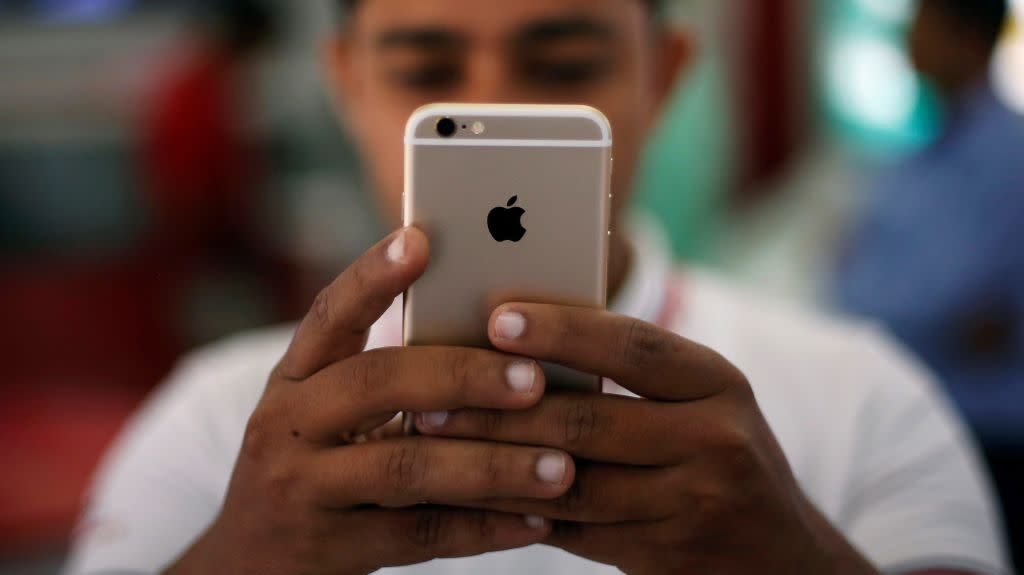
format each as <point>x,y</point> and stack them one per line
<point>492,17</point>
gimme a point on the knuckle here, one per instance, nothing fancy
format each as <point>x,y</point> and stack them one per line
<point>676,485</point>
<point>572,502</point>
<point>428,530</point>
<point>579,422</point>
<point>281,373</point>
<point>491,422</point>
<point>737,380</point>
<point>259,433</point>
<point>358,279</point>
<point>460,370</point>
<point>570,326</point>
<point>736,452</point>
<point>641,344</point>
<point>710,501</point>
<point>281,482</point>
<point>368,287</point>
<point>481,525</point>
<point>566,529</point>
<point>321,310</point>
<point>407,469</point>
<point>371,373</point>
<point>730,377</point>
<point>360,374</point>
<point>491,467</point>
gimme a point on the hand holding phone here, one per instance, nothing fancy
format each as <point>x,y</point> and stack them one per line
<point>309,493</point>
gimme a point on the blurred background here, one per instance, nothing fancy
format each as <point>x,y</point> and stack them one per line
<point>119,252</point>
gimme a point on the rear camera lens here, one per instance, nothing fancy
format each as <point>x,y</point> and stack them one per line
<point>446,127</point>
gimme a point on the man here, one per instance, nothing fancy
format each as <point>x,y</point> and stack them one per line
<point>937,257</point>
<point>199,160</point>
<point>870,470</point>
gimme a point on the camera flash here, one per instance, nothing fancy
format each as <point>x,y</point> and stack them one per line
<point>478,128</point>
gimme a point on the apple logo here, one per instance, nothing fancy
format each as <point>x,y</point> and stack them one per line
<point>506,224</point>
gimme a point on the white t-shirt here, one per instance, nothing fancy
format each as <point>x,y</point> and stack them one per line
<point>871,441</point>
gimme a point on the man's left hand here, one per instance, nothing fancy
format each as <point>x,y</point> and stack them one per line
<point>689,479</point>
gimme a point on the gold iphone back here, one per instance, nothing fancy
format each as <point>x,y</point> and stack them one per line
<point>552,164</point>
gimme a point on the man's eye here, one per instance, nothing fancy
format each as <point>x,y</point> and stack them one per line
<point>565,73</point>
<point>428,78</point>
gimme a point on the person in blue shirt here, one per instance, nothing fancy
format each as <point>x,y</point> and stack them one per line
<point>939,255</point>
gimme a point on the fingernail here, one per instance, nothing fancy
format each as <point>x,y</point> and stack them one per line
<point>396,251</point>
<point>534,521</point>
<point>510,325</point>
<point>434,420</point>
<point>522,375</point>
<point>551,468</point>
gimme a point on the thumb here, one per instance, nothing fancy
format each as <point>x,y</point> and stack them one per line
<point>337,324</point>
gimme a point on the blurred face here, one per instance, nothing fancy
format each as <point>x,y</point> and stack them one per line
<point>946,51</point>
<point>398,55</point>
<point>928,35</point>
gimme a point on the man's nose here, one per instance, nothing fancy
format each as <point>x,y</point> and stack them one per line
<point>489,80</point>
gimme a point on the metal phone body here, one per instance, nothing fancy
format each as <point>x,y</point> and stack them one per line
<point>506,169</point>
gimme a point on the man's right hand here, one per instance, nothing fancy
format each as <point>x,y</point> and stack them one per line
<point>309,496</point>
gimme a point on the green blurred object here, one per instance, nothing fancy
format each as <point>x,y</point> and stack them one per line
<point>685,171</point>
<point>70,198</point>
<point>874,101</point>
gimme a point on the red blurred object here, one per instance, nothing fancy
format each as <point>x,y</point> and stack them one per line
<point>772,74</point>
<point>84,339</point>
<point>82,343</point>
<point>199,166</point>
<point>52,443</point>
<point>87,322</point>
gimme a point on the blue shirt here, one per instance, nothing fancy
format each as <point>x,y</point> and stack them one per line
<point>939,258</point>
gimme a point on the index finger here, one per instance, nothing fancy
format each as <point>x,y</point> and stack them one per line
<point>337,324</point>
<point>649,361</point>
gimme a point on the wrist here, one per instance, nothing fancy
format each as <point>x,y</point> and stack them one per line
<point>829,552</point>
<point>204,557</point>
<point>216,553</point>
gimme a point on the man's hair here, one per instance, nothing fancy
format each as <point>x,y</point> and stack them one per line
<point>656,6</point>
<point>242,25</point>
<point>987,18</point>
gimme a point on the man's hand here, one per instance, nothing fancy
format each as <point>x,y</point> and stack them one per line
<point>688,480</point>
<point>310,496</point>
